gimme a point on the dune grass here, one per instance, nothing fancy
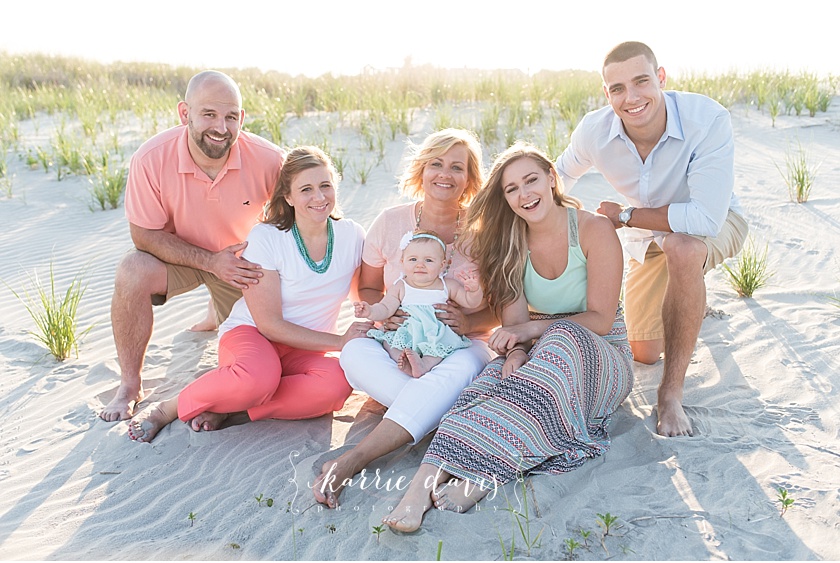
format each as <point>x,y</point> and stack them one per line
<point>749,272</point>
<point>107,180</point>
<point>799,173</point>
<point>54,314</point>
<point>510,104</point>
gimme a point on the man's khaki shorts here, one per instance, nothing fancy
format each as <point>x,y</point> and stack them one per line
<point>181,279</point>
<point>645,285</point>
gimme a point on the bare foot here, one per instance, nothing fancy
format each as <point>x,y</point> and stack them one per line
<point>420,366</point>
<point>459,495</point>
<point>122,406</point>
<point>145,429</point>
<point>672,420</point>
<point>408,515</point>
<point>208,421</point>
<point>208,323</point>
<point>404,364</point>
<point>330,482</point>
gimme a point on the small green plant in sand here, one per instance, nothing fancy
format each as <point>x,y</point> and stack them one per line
<point>54,314</point>
<point>191,518</point>
<point>363,170</point>
<point>521,521</point>
<point>269,502</point>
<point>439,550</point>
<point>784,500</point>
<point>233,545</point>
<point>330,528</point>
<point>749,271</point>
<point>107,181</point>
<point>571,545</point>
<point>584,534</point>
<point>377,530</point>
<point>607,521</point>
<point>799,173</point>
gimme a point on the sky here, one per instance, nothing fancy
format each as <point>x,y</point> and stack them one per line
<point>313,37</point>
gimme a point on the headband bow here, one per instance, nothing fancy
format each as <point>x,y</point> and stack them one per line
<point>410,236</point>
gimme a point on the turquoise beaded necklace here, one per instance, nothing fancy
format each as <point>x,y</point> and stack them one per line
<point>325,264</point>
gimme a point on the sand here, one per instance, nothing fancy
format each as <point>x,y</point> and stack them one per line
<point>762,392</point>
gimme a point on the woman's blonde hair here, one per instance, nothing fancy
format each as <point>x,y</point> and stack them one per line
<point>496,236</point>
<point>435,146</point>
<point>278,212</point>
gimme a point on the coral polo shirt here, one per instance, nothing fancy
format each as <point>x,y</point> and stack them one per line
<point>167,191</point>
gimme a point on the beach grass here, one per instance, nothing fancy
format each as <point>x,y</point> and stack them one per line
<point>799,173</point>
<point>749,272</point>
<point>500,105</point>
<point>54,314</point>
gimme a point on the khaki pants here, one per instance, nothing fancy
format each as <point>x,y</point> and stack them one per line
<point>645,285</point>
<point>181,279</point>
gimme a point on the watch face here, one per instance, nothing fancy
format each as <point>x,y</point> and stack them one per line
<point>623,217</point>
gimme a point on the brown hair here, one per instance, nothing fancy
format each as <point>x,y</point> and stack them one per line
<point>435,146</point>
<point>278,212</point>
<point>628,50</point>
<point>496,236</point>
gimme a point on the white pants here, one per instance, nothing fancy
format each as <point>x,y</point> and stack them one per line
<point>416,404</point>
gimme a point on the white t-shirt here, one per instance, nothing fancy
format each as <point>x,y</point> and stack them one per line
<point>309,300</point>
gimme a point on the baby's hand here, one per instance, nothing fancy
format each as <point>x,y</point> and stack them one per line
<point>468,278</point>
<point>362,309</point>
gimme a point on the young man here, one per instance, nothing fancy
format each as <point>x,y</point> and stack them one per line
<point>670,154</point>
<point>193,194</point>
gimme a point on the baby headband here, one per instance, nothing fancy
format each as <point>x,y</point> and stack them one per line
<point>410,236</point>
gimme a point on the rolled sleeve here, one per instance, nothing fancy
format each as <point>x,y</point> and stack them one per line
<point>711,180</point>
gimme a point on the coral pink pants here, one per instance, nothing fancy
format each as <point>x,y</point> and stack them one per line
<point>267,379</point>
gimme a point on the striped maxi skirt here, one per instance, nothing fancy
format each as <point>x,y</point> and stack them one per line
<point>549,416</point>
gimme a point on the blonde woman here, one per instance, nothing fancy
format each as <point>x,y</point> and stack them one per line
<point>553,272</point>
<point>443,178</point>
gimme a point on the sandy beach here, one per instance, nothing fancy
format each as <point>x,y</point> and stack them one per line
<point>762,392</point>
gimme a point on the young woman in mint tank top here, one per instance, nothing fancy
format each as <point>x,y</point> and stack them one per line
<point>552,272</point>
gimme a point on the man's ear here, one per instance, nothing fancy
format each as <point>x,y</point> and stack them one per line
<point>183,112</point>
<point>660,74</point>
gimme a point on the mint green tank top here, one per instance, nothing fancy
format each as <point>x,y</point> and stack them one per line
<point>566,293</point>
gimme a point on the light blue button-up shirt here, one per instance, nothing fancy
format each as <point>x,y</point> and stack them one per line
<point>691,169</point>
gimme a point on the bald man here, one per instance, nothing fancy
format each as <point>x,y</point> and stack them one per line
<point>193,194</point>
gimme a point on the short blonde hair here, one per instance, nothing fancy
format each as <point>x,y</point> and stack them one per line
<point>435,146</point>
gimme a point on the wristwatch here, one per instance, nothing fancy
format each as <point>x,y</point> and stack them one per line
<point>624,216</point>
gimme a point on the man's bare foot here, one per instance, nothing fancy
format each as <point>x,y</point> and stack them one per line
<point>408,515</point>
<point>420,366</point>
<point>459,495</point>
<point>122,406</point>
<point>329,484</point>
<point>208,421</point>
<point>205,325</point>
<point>145,429</point>
<point>672,420</point>
<point>208,323</point>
